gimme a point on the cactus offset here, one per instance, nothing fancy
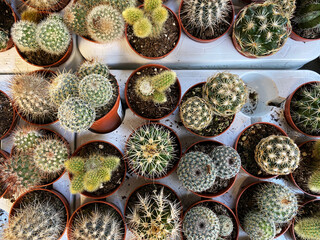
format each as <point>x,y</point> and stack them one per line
<point>26,138</point>
<point>308,228</point>
<point>226,225</point>
<point>93,67</point>
<point>4,39</point>
<point>314,181</point>
<point>24,36</point>
<point>75,18</point>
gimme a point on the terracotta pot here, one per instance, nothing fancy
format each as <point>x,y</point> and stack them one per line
<point>5,155</point>
<point>17,203</point>
<point>155,58</point>
<point>205,40</point>
<point>178,147</point>
<point>213,201</point>
<point>10,43</point>
<point>56,8</point>
<point>237,202</point>
<point>287,113</point>
<point>236,145</point>
<point>297,37</point>
<point>126,90</point>
<point>76,212</point>
<point>14,120</point>
<point>88,194</point>
<point>198,84</point>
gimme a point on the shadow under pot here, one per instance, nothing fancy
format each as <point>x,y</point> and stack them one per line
<point>218,124</point>
<point>105,216</point>
<point>220,186</point>
<point>3,158</point>
<point>103,148</point>
<point>8,115</point>
<point>7,19</point>
<point>219,209</point>
<point>51,5</point>
<point>246,145</point>
<point>51,203</point>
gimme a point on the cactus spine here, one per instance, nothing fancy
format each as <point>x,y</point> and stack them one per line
<point>314,181</point>
<point>308,228</point>
<point>93,67</point>
<point>226,225</point>
<point>26,139</point>
<point>24,36</point>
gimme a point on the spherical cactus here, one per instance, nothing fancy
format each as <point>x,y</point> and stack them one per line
<point>75,18</point>
<point>105,24</point>
<point>76,115</point>
<point>151,5</point>
<point>277,202</point>
<point>196,171</point>
<point>142,28</point>
<point>24,36</point>
<point>160,15</point>
<point>226,225</point>
<point>277,155</point>
<point>96,90</point>
<point>26,138</point>
<point>226,93</point>
<point>226,160</point>
<point>93,67</point>
<point>4,39</point>
<point>132,15</point>
<point>308,228</point>
<point>314,181</point>
<point>201,223</point>
<point>286,6</point>
<point>196,113</point>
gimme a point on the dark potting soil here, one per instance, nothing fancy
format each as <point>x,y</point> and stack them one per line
<point>219,184</point>
<point>6,114</point>
<point>160,46</point>
<point>6,17</point>
<point>149,109</point>
<point>218,124</point>
<point>201,33</point>
<point>105,149</point>
<point>247,143</point>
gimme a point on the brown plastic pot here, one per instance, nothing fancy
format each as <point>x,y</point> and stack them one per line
<point>56,8</point>
<point>155,58</point>
<point>88,194</point>
<point>76,212</point>
<point>10,43</point>
<point>126,90</point>
<point>297,37</point>
<point>201,83</point>
<point>5,155</point>
<point>237,202</point>
<point>179,149</point>
<point>14,120</point>
<point>236,145</point>
<point>287,113</point>
<point>205,40</point>
<point>18,202</point>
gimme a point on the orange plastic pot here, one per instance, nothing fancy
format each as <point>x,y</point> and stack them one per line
<point>297,37</point>
<point>126,91</point>
<point>56,8</point>
<point>5,155</point>
<point>14,118</point>
<point>10,42</point>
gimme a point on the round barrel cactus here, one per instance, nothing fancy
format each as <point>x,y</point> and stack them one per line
<point>226,225</point>
<point>24,36</point>
<point>25,139</point>
<point>75,18</point>
<point>93,67</point>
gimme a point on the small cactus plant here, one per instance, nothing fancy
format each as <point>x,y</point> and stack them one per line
<point>4,39</point>
<point>26,139</point>
<point>277,155</point>
<point>93,67</point>
<point>201,223</point>
<point>24,36</point>
<point>150,151</point>
<point>226,225</point>
<point>226,93</point>
<point>314,181</point>
<point>308,228</point>
<point>196,171</point>
<point>226,160</point>
<point>75,18</point>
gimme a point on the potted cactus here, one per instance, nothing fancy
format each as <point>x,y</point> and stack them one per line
<point>150,206</point>
<point>153,92</point>
<point>8,115</point>
<point>301,109</point>
<point>207,112</point>
<point>209,219</point>
<point>97,220</point>
<point>7,19</point>
<point>266,209</point>
<point>47,6</point>
<point>206,21</point>
<point>153,151</point>
<point>153,31</point>
<point>96,169</point>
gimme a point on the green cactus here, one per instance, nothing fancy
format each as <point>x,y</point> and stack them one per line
<point>287,6</point>
<point>96,90</point>
<point>75,18</point>
<point>316,152</point>
<point>26,138</point>
<point>4,39</point>
<point>304,109</point>
<point>150,151</point>
<point>226,225</point>
<point>226,93</point>
<point>277,155</point>
<point>308,228</point>
<point>261,29</point>
<point>196,113</point>
<point>201,223</point>
<point>24,36</point>
<point>93,67</point>
<point>196,171</point>
<point>226,160</point>
<point>76,115</point>
<point>314,181</point>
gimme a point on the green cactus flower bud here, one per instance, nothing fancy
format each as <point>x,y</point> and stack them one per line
<point>24,36</point>
<point>308,228</point>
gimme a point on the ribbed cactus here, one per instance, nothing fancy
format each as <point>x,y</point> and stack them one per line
<point>93,67</point>
<point>150,151</point>
<point>4,39</point>
<point>277,202</point>
<point>24,36</point>
<point>226,93</point>
<point>201,223</point>
<point>261,29</point>
<point>314,181</point>
<point>196,113</point>
<point>26,138</point>
<point>196,171</point>
<point>75,18</point>
<point>304,109</point>
<point>226,225</point>
<point>154,216</point>
<point>43,4</point>
<point>226,160</point>
<point>308,228</point>
<point>89,173</point>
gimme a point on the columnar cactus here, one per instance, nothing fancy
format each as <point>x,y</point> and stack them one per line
<point>226,160</point>
<point>154,217</point>
<point>26,139</point>
<point>277,155</point>
<point>75,18</point>
<point>93,67</point>
<point>308,228</point>
<point>41,4</point>
<point>151,151</point>
<point>196,113</point>
<point>24,36</point>
<point>226,93</point>
<point>314,181</point>
<point>226,225</point>
<point>196,171</point>
<point>4,39</point>
<point>261,29</point>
